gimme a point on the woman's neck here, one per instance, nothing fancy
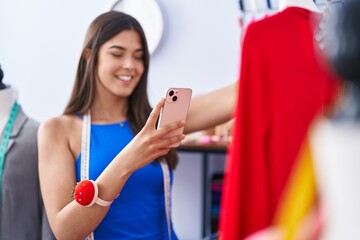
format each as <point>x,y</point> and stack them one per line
<point>306,4</point>
<point>108,111</point>
<point>7,99</point>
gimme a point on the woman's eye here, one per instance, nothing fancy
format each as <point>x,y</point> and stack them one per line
<point>139,57</point>
<point>116,55</point>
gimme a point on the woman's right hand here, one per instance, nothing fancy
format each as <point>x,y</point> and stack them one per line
<point>151,143</point>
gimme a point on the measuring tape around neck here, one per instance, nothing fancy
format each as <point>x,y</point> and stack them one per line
<point>84,172</point>
<point>85,154</point>
<point>167,194</point>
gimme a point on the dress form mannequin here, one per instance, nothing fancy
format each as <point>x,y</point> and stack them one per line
<point>7,99</point>
<point>21,203</point>
<point>307,4</point>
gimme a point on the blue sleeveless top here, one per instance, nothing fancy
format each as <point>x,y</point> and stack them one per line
<point>139,211</point>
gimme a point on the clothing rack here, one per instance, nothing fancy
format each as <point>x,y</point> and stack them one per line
<point>271,5</point>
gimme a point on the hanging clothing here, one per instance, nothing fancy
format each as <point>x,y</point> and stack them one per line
<point>282,87</point>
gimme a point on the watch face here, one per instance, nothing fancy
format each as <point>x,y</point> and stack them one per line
<point>149,15</point>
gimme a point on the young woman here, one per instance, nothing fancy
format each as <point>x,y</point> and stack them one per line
<point>108,134</point>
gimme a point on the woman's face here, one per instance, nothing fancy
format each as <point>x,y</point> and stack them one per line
<point>120,64</point>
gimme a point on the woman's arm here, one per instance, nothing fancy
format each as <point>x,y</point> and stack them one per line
<point>69,220</point>
<point>211,109</point>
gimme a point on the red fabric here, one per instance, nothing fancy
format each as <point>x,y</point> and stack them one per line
<point>281,88</point>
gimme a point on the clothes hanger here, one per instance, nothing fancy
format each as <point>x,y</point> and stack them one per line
<point>268,2</point>
<point>241,5</point>
<point>253,6</point>
<point>306,4</point>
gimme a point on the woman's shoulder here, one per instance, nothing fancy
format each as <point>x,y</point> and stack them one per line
<point>60,122</point>
<point>64,132</point>
<point>60,125</point>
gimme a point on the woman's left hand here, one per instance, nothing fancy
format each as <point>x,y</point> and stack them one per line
<point>151,143</point>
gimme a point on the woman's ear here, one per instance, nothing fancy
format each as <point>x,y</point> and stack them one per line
<point>86,53</point>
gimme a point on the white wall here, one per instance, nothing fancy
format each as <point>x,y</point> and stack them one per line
<point>40,42</point>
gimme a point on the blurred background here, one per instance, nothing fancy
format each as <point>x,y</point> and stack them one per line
<point>41,40</point>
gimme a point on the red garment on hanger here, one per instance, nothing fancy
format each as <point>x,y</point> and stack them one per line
<point>282,87</point>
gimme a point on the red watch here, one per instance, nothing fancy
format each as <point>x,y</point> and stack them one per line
<point>86,194</point>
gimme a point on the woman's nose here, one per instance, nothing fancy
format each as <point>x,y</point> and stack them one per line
<point>128,63</point>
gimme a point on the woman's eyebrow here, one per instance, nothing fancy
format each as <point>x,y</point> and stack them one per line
<point>117,47</point>
<point>122,48</point>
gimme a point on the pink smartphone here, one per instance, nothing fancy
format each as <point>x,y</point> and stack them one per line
<point>177,101</point>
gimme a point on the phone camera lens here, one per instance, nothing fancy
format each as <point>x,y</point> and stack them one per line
<point>171,93</point>
<point>174,98</point>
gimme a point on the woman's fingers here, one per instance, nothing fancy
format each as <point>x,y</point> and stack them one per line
<point>170,129</point>
<point>154,115</point>
<point>170,134</point>
<point>168,142</point>
<point>159,141</point>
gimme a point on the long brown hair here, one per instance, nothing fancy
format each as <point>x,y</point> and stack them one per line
<point>101,30</point>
